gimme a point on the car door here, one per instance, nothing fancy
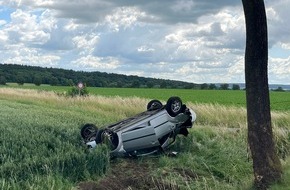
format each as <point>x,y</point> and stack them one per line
<point>141,137</point>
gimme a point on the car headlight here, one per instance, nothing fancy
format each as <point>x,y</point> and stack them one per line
<point>91,144</point>
<point>193,115</point>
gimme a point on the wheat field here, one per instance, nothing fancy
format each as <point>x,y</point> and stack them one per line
<point>41,146</point>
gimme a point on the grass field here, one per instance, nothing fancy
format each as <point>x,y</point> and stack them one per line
<point>41,147</point>
<point>279,100</point>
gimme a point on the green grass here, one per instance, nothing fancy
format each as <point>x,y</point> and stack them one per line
<point>279,100</point>
<point>215,159</point>
<point>284,184</point>
<point>41,146</point>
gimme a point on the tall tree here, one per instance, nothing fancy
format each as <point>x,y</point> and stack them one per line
<point>266,163</point>
<point>224,86</point>
<point>236,87</point>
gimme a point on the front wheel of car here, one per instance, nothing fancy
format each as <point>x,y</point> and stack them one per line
<point>88,130</point>
<point>174,106</point>
<point>154,105</point>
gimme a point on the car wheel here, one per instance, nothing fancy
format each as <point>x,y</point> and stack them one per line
<point>154,105</point>
<point>88,130</point>
<point>174,106</point>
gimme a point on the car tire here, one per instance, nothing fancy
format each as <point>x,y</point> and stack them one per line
<point>88,130</point>
<point>154,105</point>
<point>174,106</point>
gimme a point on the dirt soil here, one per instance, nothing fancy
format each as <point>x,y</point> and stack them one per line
<point>131,174</point>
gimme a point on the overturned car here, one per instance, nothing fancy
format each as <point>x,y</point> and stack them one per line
<point>146,133</point>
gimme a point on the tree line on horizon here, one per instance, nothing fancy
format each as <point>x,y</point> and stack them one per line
<point>12,73</point>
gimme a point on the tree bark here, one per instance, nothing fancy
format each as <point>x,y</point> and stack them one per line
<point>266,163</point>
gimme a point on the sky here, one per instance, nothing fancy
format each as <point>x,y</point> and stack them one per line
<point>199,41</point>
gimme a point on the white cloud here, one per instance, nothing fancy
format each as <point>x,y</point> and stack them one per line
<point>145,49</point>
<point>86,43</point>
<point>2,22</point>
<point>279,66</point>
<point>192,40</point>
<point>279,70</point>
<point>71,25</point>
<point>28,56</point>
<point>26,28</point>
<point>3,38</point>
<point>285,46</point>
<point>123,17</point>
<point>103,64</point>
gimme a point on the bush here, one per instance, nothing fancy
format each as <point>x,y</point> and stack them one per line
<point>75,91</point>
<point>279,89</point>
<point>37,80</point>
<point>224,86</point>
<point>2,80</point>
<point>236,87</point>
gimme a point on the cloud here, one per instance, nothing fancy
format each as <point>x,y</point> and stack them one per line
<point>278,25</point>
<point>28,56</point>
<point>145,49</point>
<point>193,40</point>
<point>22,34</point>
<point>85,43</point>
<point>279,70</point>
<point>162,11</point>
<point>2,22</point>
<point>102,64</point>
<point>25,28</point>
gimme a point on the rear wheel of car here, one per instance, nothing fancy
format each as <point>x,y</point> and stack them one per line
<point>88,130</point>
<point>174,106</point>
<point>154,105</point>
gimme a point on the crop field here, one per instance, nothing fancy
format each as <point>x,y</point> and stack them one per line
<point>41,147</point>
<point>279,100</point>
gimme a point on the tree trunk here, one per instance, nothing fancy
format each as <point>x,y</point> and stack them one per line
<point>266,164</point>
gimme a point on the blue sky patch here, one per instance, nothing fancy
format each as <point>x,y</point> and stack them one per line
<point>5,13</point>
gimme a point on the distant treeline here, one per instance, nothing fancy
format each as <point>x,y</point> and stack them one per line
<point>11,73</point>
